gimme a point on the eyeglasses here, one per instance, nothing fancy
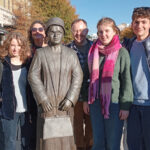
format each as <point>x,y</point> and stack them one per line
<point>37,29</point>
<point>141,8</point>
<point>79,31</point>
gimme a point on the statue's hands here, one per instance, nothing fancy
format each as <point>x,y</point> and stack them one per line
<point>46,106</point>
<point>65,105</point>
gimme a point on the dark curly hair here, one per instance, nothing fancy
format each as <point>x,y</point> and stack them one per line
<point>143,12</point>
<point>30,30</point>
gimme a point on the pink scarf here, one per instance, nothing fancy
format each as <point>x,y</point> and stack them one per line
<point>111,53</point>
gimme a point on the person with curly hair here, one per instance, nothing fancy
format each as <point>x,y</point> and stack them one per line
<point>37,39</point>
<point>138,133</point>
<point>14,56</point>
<point>36,35</point>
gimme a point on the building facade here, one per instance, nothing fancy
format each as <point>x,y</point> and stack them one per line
<point>6,15</point>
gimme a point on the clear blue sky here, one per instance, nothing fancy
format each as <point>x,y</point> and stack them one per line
<point>119,10</point>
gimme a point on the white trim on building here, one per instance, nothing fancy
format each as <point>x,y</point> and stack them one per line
<point>6,17</point>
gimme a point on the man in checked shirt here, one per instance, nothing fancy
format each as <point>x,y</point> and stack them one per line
<point>82,124</point>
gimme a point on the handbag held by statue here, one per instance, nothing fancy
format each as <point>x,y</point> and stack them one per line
<point>57,126</point>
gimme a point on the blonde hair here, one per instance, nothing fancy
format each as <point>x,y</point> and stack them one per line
<point>110,21</point>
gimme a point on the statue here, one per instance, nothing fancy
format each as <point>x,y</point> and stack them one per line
<point>55,76</point>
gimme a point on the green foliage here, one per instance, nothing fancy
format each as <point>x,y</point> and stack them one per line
<point>45,9</point>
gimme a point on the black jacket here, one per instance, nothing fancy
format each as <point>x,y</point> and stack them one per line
<point>8,104</point>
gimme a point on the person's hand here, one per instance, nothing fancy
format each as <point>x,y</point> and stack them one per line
<point>65,105</point>
<point>123,114</point>
<point>46,106</point>
<point>86,108</point>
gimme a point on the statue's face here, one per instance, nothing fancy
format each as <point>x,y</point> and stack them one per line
<point>55,34</point>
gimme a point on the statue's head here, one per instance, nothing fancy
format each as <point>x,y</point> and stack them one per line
<point>55,30</point>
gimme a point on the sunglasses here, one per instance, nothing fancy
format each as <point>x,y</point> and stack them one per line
<point>37,29</point>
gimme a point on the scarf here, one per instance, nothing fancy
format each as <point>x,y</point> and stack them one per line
<point>111,53</point>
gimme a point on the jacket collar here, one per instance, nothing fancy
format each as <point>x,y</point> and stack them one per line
<point>73,45</point>
<point>146,44</point>
<point>7,59</point>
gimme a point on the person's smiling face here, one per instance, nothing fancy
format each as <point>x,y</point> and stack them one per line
<point>105,33</point>
<point>141,27</point>
<point>37,31</point>
<point>79,32</point>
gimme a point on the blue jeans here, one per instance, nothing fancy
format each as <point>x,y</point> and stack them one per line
<point>138,131</point>
<point>8,132</point>
<point>106,132</point>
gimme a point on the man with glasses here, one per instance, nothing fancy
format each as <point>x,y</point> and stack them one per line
<point>138,131</point>
<point>82,124</point>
